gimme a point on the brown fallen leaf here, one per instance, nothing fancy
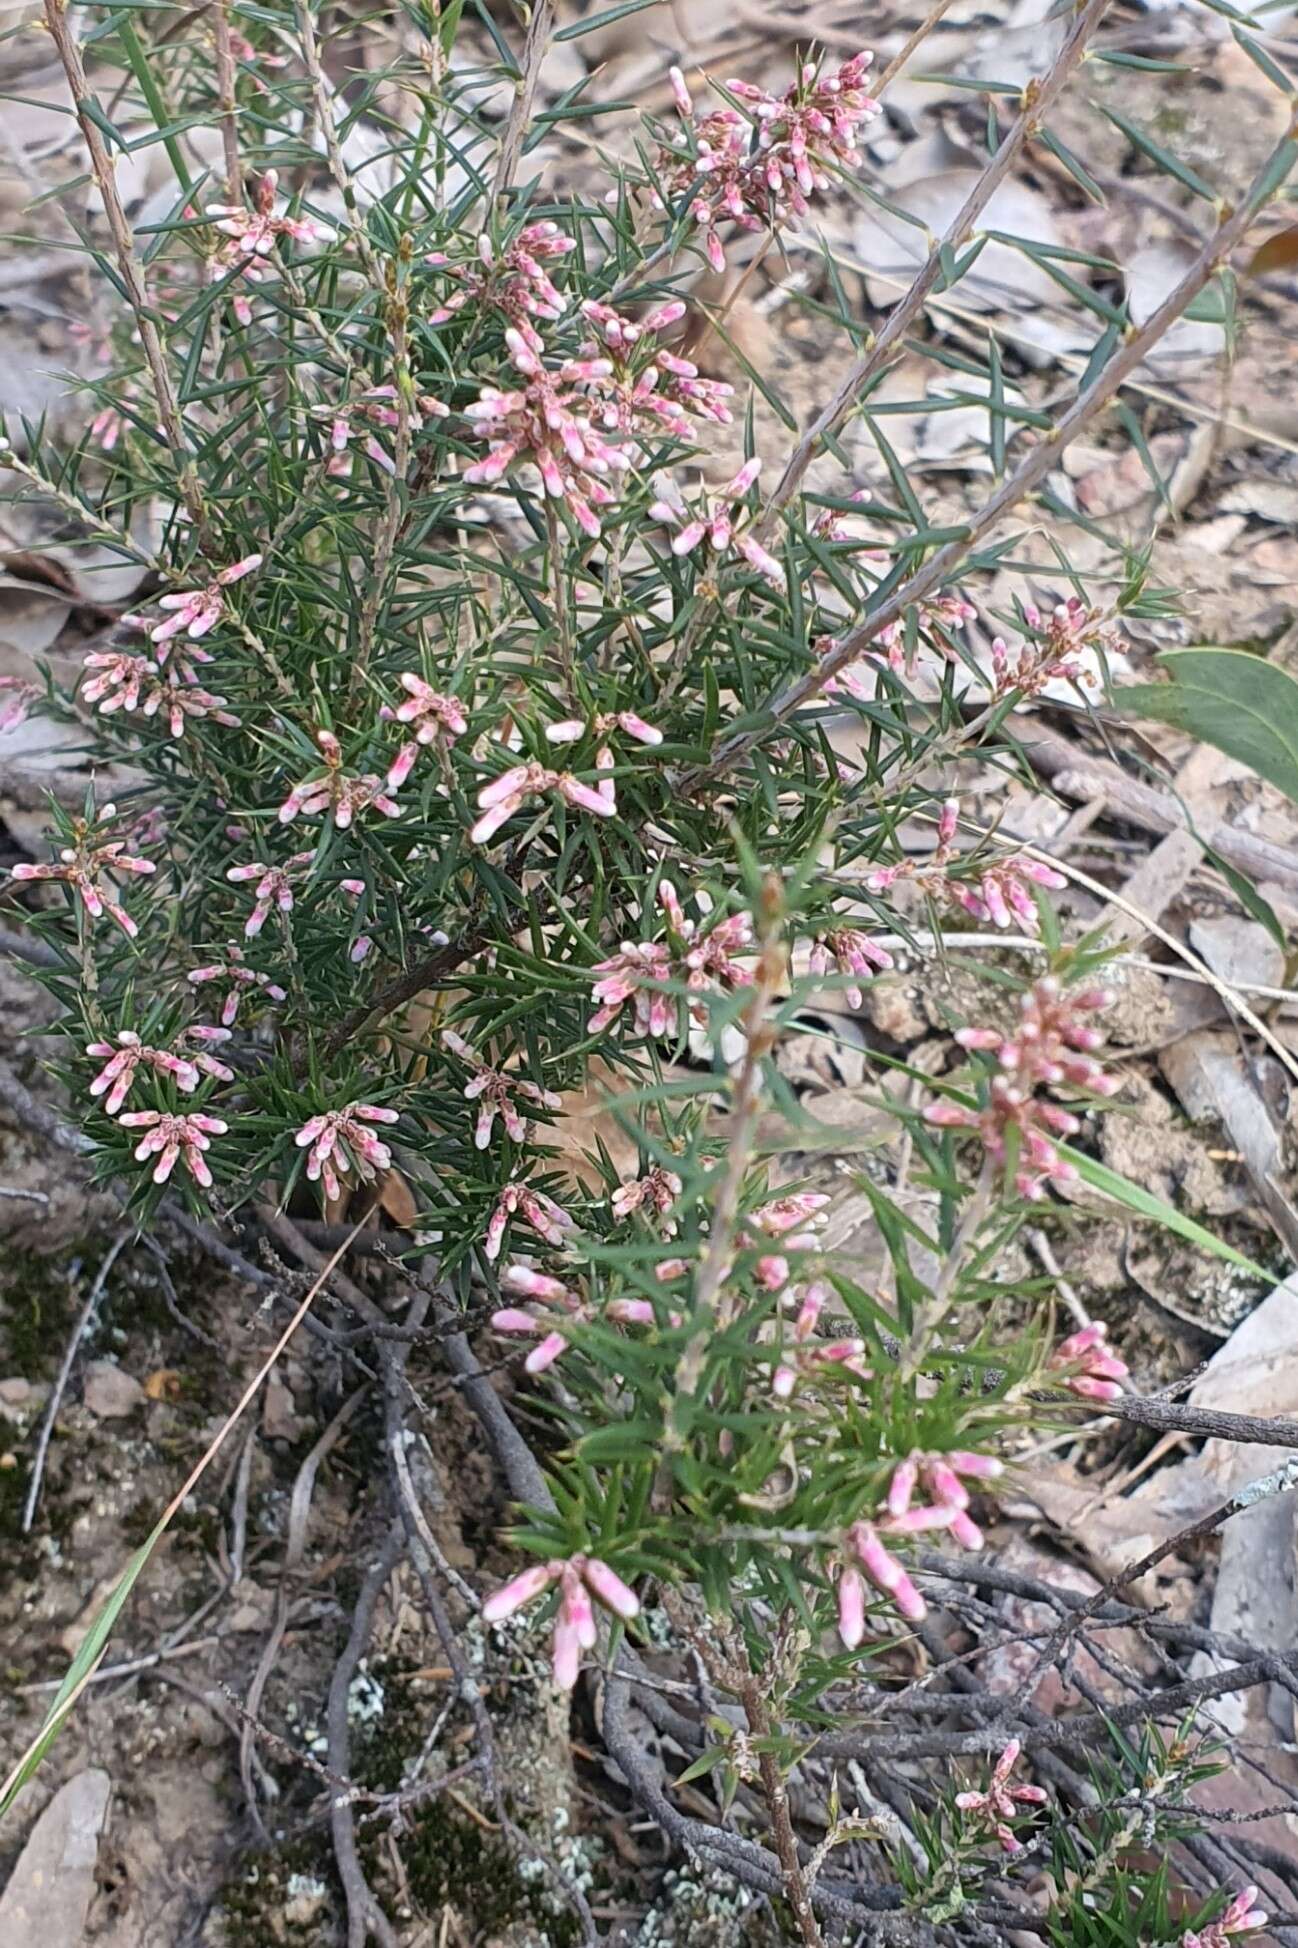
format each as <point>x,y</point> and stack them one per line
<point>1277,253</point>
<point>164,1384</point>
<point>397,1200</point>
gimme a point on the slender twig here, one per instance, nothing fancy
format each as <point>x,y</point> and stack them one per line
<point>394,489</point>
<point>226,74</point>
<point>364,1915</point>
<point>1245,1429</point>
<point>128,264</point>
<point>323,97</point>
<point>539,29</point>
<point>430,972</point>
<point>78,1332</point>
<point>908,46</point>
<point>946,561</point>
<point>1038,98</point>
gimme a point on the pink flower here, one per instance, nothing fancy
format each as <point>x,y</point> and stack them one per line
<point>651,389</point>
<point>171,1137</point>
<point>548,422</point>
<point>16,699</point>
<point>1000,894</point>
<point>549,1297</point>
<point>717,520</point>
<point>1050,1047</point>
<point>548,1219</point>
<point>1071,629</point>
<point>200,1056</point>
<point>121,1061</point>
<point>701,961</point>
<point>513,280</point>
<point>336,792</point>
<point>806,1357</point>
<point>948,1504</point>
<point>580,1578</point>
<point>129,683</point>
<point>341,1145</point>
<point>1240,1917</point>
<point>273,889</point>
<point>865,1554</point>
<point>83,865</point>
<point>654,1193</point>
<point>505,795</point>
<point>432,714</point>
<point>571,729</point>
<point>997,1806</point>
<point>494,1091</point>
<point>376,407</point>
<point>758,168</point>
<point>1086,1366</point>
<point>198,610</point>
<point>853,954</point>
<point>253,233</point>
<point>238,978</point>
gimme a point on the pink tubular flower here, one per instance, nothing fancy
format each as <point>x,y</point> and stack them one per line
<point>806,1357</point>
<point>253,233</point>
<point>1084,1364</point>
<point>83,864</point>
<point>1000,894</point>
<point>580,1578</point>
<point>16,699</point>
<point>571,729</point>
<point>932,617</point>
<point>121,1061</point>
<point>505,795</point>
<point>548,1219</point>
<point>513,280</point>
<point>494,1091</point>
<point>336,792</point>
<point>171,1137</point>
<point>850,953</point>
<point>1054,654</point>
<point>237,978</point>
<point>703,961</point>
<point>653,1193</point>
<point>432,714</point>
<point>1050,1047</point>
<point>130,683</point>
<point>549,1298</point>
<point>717,519</point>
<point>1241,1917</point>
<point>864,1553</point>
<point>948,1503</point>
<point>802,137</point>
<point>650,389</point>
<point>341,1144</point>
<point>548,422</point>
<point>274,888</point>
<point>197,611</point>
<point>376,408</point>
<point>200,1056</point>
<point>998,1805</point>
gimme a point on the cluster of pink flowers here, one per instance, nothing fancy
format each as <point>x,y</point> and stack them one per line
<point>722,519</point>
<point>654,1192</point>
<point>513,280</point>
<point>703,960</point>
<point>124,1057</point>
<point>866,1555</point>
<point>1084,1364</point>
<point>1000,894</point>
<point>999,1804</point>
<point>849,952</point>
<point>129,683</point>
<point>1241,1917</point>
<point>860,679</point>
<point>1055,655</point>
<point>238,978</point>
<point>16,699</point>
<point>196,611</point>
<point>253,234</point>
<point>569,730</point>
<point>431,714</point>
<point>84,864</point>
<point>648,383</point>
<point>802,138</point>
<point>548,422</point>
<point>548,1219</point>
<point>340,1144</point>
<point>796,1220</point>
<point>1051,1046</point>
<point>494,1091</point>
<point>507,794</point>
<point>336,792</point>
<point>804,1357</point>
<point>170,1138</point>
<point>274,888</point>
<point>580,1578</point>
<point>375,408</point>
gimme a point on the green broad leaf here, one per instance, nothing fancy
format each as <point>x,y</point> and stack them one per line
<point>1144,1204</point>
<point>1238,703</point>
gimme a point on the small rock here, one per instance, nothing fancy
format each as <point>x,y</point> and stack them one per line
<point>306,1897</point>
<point>50,1890</point>
<point>20,1396</point>
<point>111,1393</point>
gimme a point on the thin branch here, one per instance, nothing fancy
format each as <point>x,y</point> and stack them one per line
<point>947,560</point>
<point>75,1337</point>
<point>539,29</point>
<point>364,1915</point>
<point>908,46</point>
<point>226,75</point>
<point>430,972</point>
<point>1038,98</point>
<point>128,264</point>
